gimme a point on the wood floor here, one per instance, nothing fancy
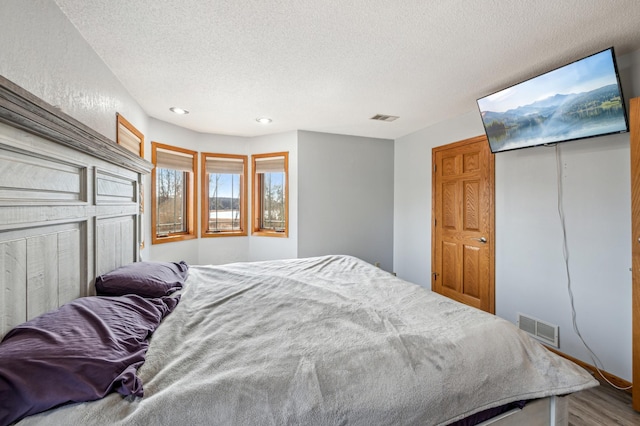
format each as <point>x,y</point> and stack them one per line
<point>602,406</point>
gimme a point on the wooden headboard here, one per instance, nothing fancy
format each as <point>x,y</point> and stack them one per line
<point>69,206</point>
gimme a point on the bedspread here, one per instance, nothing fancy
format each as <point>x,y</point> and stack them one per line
<point>328,340</point>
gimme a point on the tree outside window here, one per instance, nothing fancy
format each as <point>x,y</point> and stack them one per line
<point>270,189</point>
<point>172,193</point>
<point>223,195</point>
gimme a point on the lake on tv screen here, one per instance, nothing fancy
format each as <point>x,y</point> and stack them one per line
<point>558,118</point>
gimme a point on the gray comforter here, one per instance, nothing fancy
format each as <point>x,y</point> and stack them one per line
<point>325,341</point>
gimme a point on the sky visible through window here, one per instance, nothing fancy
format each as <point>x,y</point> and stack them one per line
<point>276,179</point>
<point>224,202</point>
<point>228,185</point>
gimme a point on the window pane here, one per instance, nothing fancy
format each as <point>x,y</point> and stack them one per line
<point>171,190</point>
<point>224,202</point>
<point>272,189</point>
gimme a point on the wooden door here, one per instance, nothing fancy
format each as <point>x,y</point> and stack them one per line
<point>634,122</point>
<point>463,223</point>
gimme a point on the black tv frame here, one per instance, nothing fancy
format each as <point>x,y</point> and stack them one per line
<point>552,143</point>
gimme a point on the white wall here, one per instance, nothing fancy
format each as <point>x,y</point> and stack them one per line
<point>345,197</point>
<point>530,270</point>
<point>412,193</point>
<point>530,275</point>
<point>45,54</point>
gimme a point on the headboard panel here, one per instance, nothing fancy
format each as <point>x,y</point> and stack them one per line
<point>69,206</point>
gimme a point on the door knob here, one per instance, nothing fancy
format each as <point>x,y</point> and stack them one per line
<point>483,240</point>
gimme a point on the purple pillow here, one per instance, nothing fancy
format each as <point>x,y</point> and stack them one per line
<point>146,279</point>
<point>80,352</point>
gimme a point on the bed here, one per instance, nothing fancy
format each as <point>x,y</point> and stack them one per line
<point>323,340</point>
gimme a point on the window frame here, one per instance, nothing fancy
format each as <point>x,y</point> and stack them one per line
<point>121,121</point>
<point>256,187</point>
<point>204,197</point>
<point>189,197</point>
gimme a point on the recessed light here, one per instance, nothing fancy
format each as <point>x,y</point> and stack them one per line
<point>264,120</point>
<point>180,111</point>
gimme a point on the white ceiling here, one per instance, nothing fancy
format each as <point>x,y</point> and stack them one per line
<point>330,65</point>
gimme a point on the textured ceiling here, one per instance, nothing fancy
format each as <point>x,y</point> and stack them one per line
<point>330,65</point>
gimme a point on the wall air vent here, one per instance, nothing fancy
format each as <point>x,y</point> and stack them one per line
<point>543,331</point>
<point>382,117</point>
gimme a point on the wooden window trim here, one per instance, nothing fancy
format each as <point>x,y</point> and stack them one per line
<point>120,120</point>
<point>204,197</point>
<point>256,199</point>
<point>191,197</point>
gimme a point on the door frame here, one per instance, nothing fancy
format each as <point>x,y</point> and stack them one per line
<point>492,214</point>
<point>634,154</point>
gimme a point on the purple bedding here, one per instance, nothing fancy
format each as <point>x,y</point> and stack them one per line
<point>146,279</point>
<point>79,352</point>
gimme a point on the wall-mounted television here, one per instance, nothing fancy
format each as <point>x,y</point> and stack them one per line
<point>580,100</point>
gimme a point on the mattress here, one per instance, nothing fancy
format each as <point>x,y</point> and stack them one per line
<point>328,340</point>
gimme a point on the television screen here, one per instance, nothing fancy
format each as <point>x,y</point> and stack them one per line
<point>579,100</point>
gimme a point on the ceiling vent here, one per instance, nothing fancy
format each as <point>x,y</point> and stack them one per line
<point>382,117</point>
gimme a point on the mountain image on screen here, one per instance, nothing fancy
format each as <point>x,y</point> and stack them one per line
<point>557,118</point>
